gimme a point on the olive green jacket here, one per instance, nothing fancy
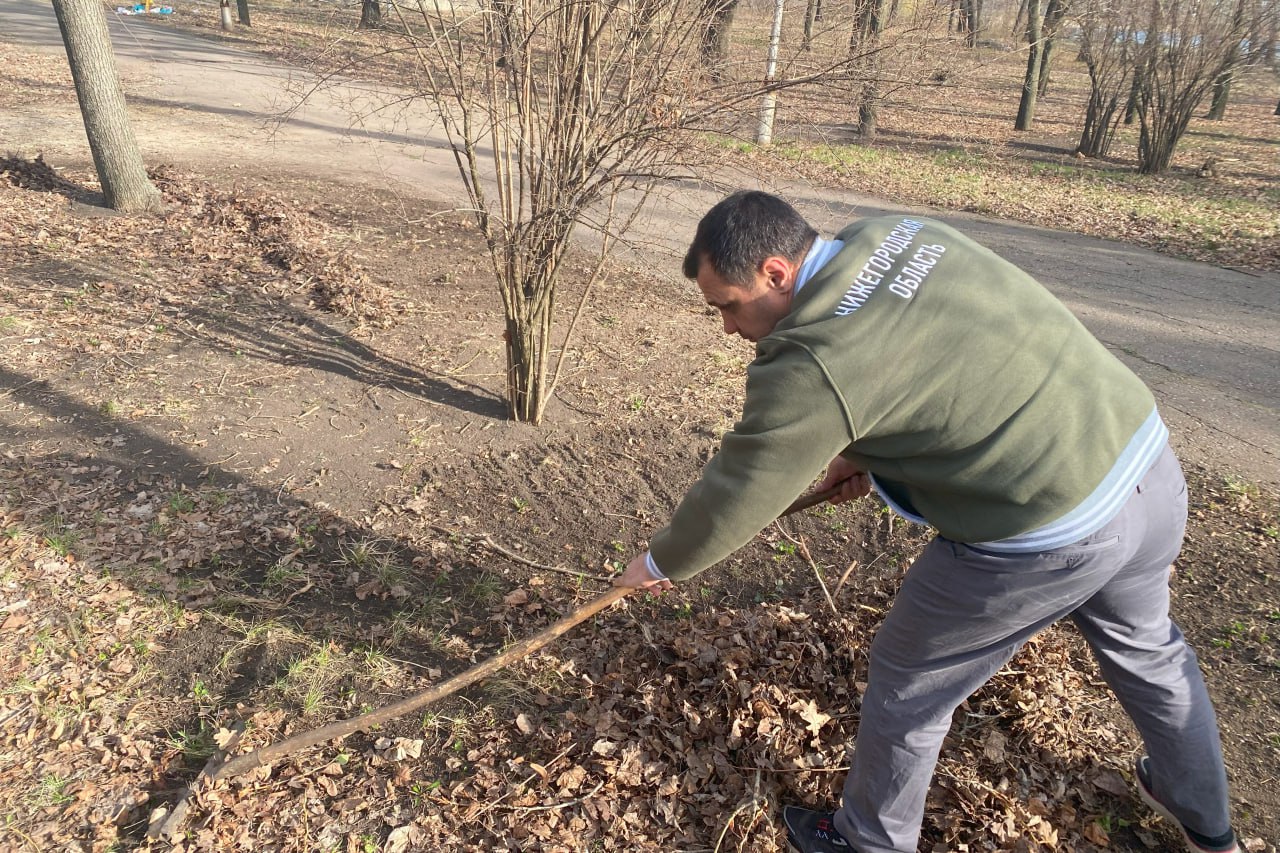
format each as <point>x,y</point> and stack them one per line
<point>974,397</point>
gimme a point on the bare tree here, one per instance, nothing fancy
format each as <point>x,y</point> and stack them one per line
<point>588,108</point>
<point>1107,42</point>
<point>590,100</point>
<point>1190,43</point>
<point>242,8</point>
<point>116,156</point>
<point>1031,80</point>
<point>224,16</point>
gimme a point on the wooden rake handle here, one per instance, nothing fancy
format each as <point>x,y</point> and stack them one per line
<point>341,728</point>
<point>363,722</point>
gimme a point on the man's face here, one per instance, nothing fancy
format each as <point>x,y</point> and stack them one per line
<point>752,310</point>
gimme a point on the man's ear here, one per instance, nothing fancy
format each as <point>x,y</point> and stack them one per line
<point>780,272</point>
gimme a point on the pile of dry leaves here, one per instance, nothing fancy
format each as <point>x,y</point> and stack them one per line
<point>652,729</point>
<point>231,239</point>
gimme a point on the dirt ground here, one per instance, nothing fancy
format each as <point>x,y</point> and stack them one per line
<point>256,470</point>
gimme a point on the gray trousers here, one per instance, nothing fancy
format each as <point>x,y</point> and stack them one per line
<point>962,614</point>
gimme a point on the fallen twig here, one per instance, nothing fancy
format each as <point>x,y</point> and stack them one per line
<point>265,756</point>
<point>804,552</point>
<point>486,540</point>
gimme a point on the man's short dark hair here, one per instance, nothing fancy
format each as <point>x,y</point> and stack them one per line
<point>739,233</point>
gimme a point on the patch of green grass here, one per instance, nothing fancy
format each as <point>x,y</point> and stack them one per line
<point>7,323</point>
<point>180,502</point>
<point>389,571</point>
<point>195,746</point>
<point>285,573</point>
<point>1208,221</point>
<point>61,537</point>
<point>1241,488</point>
<point>51,791</point>
<point>959,158</point>
<point>1057,170</point>
<point>359,555</point>
<point>21,684</point>
<point>484,589</point>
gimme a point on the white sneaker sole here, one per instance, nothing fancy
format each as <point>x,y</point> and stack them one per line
<point>1160,809</point>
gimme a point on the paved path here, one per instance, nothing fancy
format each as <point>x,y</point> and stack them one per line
<point>1205,338</point>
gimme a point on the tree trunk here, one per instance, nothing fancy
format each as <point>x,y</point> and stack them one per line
<point>810,16</point>
<point>1053,15</point>
<point>968,23</point>
<point>1222,82</point>
<point>370,14</point>
<point>868,26</point>
<point>125,186</point>
<point>1018,18</point>
<point>1099,125</point>
<point>1221,94</point>
<point>1031,82</point>
<point>242,7</point>
<point>224,14</point>
<point>716,38</point>
<point>1131,105</point>
<point>769,103</point>
<point>1277,112</point>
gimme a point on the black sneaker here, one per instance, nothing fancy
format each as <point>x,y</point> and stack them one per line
<point>813,832</point>
<point>1196,843</point>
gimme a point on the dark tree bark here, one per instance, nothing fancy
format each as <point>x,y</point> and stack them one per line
<point>1222,82</point>
<point>1018,18</point>
<point>969,20</point>
<point>1131,105</point>
<point>370,14</point>
<point>242,7</point>
<point>1031,82</point>
<point>716,39</point>
<point>810,17</point>
<point>1277,112</point>
<point>1053,15</point>
<point>116,156</point>
<point>864,45</point>
<point>1106,49</point>
<point>1221,94</point>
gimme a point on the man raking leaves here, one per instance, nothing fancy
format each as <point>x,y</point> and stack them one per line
<point>908,359</point>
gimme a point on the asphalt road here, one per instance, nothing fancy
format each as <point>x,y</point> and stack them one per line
<point>1206,339</point>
